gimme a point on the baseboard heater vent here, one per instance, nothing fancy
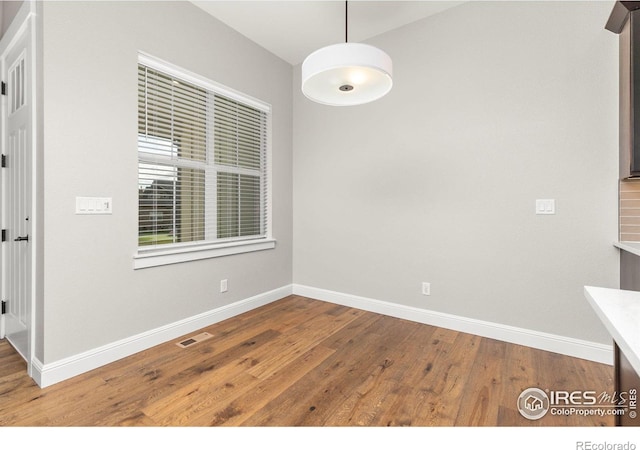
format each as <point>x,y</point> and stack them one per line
<point>194,340</point>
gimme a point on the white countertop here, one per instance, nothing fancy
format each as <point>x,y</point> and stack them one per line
<point>619,310</point>
<point>631,247</point>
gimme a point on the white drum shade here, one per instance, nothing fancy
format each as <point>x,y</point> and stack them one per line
<point>346,74</point>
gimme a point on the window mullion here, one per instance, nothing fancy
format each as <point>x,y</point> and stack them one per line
<point>211,175</point>
<point>146,101</point>
<point>237,170</point>
<point>176,235</point>
<point>263,173</point>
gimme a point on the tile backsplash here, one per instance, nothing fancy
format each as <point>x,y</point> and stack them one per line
<point>629,210</point>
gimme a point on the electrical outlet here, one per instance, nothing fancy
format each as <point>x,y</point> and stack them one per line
<point>426,288</point>
<point>223,286</point>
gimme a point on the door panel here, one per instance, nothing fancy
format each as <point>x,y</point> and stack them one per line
<point>17,196</point>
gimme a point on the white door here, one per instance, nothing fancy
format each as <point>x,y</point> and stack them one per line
<point>16,177</point>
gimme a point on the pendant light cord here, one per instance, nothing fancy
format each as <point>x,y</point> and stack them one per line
<point>346,22</point>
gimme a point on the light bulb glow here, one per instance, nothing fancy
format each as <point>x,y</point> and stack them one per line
<point>357,76</point>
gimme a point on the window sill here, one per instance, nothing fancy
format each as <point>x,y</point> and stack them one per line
<point>153,258</point>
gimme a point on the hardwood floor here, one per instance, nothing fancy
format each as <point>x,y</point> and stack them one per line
<point>303,362</point>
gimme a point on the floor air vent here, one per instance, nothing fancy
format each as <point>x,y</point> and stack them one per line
<point>194,340</point>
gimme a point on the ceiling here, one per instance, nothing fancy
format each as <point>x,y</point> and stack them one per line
<point>293,29</point>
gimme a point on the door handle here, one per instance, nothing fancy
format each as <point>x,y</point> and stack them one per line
<point>21,238</point>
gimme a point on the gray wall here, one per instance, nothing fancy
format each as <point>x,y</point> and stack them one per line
<point>8,10</point>
<point>92,296</point>
<point>494,105</point>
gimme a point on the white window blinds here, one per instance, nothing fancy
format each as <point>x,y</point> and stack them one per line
<point>202,163</point>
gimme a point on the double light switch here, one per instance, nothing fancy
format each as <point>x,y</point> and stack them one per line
<point>545,206</point>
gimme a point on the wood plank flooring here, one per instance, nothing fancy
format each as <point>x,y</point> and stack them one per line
<point>303,362</point>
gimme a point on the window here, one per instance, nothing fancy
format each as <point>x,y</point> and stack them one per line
<point>17,85</point>
<point>202,168</point>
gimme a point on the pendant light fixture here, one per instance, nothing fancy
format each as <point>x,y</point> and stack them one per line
<point>346,74</point>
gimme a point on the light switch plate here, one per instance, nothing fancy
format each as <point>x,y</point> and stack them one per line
<point>546,206</point>
<point>94,205</point>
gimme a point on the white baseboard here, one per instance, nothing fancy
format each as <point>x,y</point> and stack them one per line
<point>591,351</point>
<point>51,373</point>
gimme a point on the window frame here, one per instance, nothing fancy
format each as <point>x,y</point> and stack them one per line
<point>191,251</point>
